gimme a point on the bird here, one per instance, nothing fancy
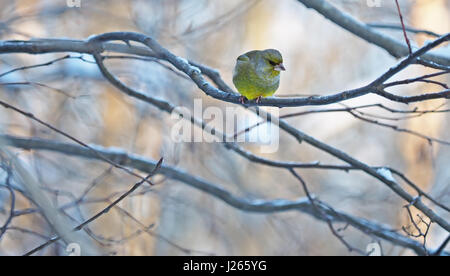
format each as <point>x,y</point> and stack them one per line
<point>257,74</point>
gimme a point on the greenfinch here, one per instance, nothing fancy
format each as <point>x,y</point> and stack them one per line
<point>257,74</point>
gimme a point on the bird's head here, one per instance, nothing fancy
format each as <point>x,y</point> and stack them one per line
<point>273,59</point>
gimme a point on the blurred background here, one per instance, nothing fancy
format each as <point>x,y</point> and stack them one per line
<point>320,57</point>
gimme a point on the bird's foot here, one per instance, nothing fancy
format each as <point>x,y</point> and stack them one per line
<point>258,100</point>
<point>242,99</point>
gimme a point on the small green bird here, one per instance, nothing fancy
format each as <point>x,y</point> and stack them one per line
<point>257,74</point>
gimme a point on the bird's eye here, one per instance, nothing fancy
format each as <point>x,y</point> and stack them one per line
<point>272,63</point>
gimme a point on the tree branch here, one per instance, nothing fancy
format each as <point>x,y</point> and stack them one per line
<point>364,31</point>
<point>249,205</point>
<point>99,43</point>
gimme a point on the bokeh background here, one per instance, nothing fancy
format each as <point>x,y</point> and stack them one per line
<point>320,57</point>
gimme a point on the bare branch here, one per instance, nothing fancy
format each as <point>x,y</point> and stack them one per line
<point>315,203</point>
<point>102,212</point>
<point>403,27</point>
<point>400,28</point>
<point>32,117</point>
<point>250,205</point>
<point>98,44</point>
<point>12,194</point>
<point>364,31</point>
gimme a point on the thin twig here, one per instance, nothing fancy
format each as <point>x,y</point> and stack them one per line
<point>408,29</point>
<point>34,118</point>
<point>403,27</point>
<point>314,203</point>
<point>102,212</point>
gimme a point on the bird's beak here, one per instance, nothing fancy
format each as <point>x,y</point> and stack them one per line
<point>279,67</point>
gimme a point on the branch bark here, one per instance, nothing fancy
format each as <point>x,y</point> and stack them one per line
<point>256,205</point>
<point>346,21</point>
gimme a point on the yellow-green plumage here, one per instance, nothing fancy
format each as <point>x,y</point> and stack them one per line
<point>257,73</point>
